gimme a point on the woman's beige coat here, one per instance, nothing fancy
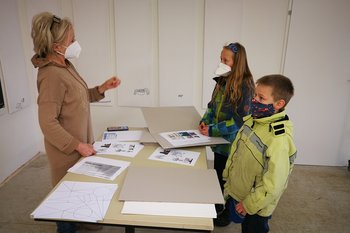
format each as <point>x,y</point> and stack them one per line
<point>64,113</point>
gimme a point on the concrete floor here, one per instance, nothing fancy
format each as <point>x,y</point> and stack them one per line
<point>317,200</point>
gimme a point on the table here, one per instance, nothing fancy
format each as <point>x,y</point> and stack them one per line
<point>114,216</point>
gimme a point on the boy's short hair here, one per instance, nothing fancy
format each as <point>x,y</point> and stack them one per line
<point>282,87</point>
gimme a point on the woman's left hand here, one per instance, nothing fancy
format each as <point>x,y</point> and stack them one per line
<point>109,84</point>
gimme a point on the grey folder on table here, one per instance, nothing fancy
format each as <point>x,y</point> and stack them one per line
<point>168,119</point>
<point>168,184</point>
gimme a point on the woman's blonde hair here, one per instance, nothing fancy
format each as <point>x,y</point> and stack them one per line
<point>239,76</point>
<point>46,30</point>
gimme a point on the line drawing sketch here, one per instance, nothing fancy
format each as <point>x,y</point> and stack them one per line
<point>82,201</point>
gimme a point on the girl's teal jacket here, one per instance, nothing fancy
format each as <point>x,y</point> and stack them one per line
<point>261,160</point>
<point>224,119</point>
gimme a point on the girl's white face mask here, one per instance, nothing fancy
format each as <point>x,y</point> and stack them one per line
<point>222,70</point>
<point>72,51</point>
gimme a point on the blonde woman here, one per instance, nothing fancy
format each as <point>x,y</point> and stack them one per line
<point>64,97</point>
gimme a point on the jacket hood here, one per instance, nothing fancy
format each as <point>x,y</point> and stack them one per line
<point>275,117</point>
<point>279,123</point>
<point>220,80</point>
<point>267,120</point>
<point>39,62</point>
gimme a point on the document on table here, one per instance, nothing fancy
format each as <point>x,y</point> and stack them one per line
<point>82,201</point>
<point>170,209</point>
<point>185,137</point>
<point>128,149</point>
<point>184,157</point>
<point>122,136</point>
<point>99,167</point>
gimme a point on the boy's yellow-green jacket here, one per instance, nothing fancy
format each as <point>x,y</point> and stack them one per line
<point>261,160</point>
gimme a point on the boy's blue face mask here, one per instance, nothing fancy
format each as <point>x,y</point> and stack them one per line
<point>260,110</point>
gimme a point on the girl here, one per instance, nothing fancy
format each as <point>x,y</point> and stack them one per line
<point>230,102</point>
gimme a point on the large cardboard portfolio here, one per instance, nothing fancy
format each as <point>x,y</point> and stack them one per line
<point>168,184</point>
<point>169,119</point>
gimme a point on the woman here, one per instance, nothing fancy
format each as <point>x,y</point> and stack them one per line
<point>64,98</point>
<point>230,102</point>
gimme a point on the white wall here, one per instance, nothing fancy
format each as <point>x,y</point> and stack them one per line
<point>318,62</point>
<point>258,25</point>
<point>19,131</point>
<point>261,31</point>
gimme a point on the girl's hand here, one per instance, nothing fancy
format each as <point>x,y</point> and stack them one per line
<point>203,129</point>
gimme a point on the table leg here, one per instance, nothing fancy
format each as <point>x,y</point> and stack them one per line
<point>129,229</point>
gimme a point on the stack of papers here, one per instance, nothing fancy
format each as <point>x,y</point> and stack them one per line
<point>82,201</point>
<point>170,209</point>
<point>179,192</point>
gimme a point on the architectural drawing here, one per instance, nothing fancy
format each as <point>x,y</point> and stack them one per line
<point>184,137</point>
<point>184,157</point>
<point>81,201</point>
<point>99,167</point>
<point>129,149</point>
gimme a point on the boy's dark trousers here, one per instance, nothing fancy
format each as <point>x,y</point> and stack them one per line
<point>255,224</point>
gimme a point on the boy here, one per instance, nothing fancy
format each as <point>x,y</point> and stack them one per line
<point>262,156</point>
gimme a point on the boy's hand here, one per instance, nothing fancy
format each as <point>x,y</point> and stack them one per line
<point>240,209</point>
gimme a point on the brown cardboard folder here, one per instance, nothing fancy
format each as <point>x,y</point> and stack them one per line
<point>168,119</point>
<point>168,184</point>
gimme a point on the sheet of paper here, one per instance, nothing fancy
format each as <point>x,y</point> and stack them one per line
<point>170,209</point>
<point>128,149</point>
<point>99,167</point>
<point>184,157</point>
<point>122,136</point>
<point>184,137</point>
<point>81,201</point>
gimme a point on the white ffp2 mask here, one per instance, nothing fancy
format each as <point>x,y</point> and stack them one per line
<point>222,70</point>
<point>73,50</point>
